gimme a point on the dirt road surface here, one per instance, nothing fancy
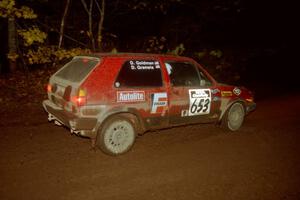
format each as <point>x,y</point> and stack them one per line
<point>39,160</point>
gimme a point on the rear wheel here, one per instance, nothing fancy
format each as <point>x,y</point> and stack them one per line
<point>116,136</point>
<point>234,117</point>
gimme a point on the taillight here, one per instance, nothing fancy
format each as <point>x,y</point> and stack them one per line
<point>80,100</point>
<point>49,88</point>
<point>250,99</point>
<point>82,93</point>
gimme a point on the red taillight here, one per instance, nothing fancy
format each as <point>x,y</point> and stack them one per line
<point>49,88</point>
<point>80,100</point>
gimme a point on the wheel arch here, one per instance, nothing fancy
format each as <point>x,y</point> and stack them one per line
<point>131,115</point>
<point>226,107</point>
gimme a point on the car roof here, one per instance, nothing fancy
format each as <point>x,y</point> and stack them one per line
<point>136,55</point>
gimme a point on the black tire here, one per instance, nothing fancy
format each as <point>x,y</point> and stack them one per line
<point>234,117</point>
<point>116,136</point>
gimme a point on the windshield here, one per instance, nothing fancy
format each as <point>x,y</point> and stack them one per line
<point>77,69</point>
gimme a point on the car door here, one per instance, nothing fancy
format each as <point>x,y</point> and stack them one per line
<point>141,89</point>
<point>192,95</point>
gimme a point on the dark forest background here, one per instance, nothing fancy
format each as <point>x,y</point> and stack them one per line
<point>245,42</point>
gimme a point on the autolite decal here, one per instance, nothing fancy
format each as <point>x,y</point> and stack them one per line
<point>130,96</point>
<point>159,103</point>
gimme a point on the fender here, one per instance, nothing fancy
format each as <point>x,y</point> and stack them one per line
<point>226,103</point>
<point>129,112</point>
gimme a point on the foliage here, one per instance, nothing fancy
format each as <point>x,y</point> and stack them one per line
<point>179,50</point>
<point>216,53</point>
<point>156,44</point>
<point>8,9</point>
<point>50,54</point>
<point>40,56</point>
<point>114,50</point>
<point>156,5</point>
<point>219,64</point>
<point>62,54</point>
<point>32,38</point>
<point>12,56</point>
<point>32,35</point>
<point>35,49</point>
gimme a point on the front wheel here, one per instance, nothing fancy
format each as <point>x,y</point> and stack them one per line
<point>116,136</point>
<point>234,117</point>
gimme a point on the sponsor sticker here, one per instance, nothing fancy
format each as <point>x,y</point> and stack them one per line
<point>237,91</point>
<point>200,101</point>
<point>226,93</point>
<point>130,96</point>
<point>216,99</point>
<point>215,91</point>
<point>184,113</point>
<point>159,103</point>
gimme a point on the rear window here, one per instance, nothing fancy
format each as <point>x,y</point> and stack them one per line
<point>77,69</point>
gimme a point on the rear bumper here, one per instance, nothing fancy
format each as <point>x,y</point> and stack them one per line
<point>82,126</point>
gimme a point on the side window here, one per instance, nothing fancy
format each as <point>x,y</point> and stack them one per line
<point>204,80</point>
<point>182,74</point>
<point>140,73</point>
<point>186,74</point>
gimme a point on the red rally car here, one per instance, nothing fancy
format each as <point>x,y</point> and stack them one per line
<point>111,98</point>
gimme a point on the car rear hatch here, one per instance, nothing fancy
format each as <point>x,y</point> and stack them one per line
<point>64,86</point>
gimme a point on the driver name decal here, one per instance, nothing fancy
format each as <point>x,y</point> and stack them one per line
<point>144,65</point>
<point>200,101</point>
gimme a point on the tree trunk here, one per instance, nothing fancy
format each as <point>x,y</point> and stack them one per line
<point>89,12</point>
<point>91,25</point>
<point>12,45</point>
<point>100,25</point>
<point>62,24</point>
